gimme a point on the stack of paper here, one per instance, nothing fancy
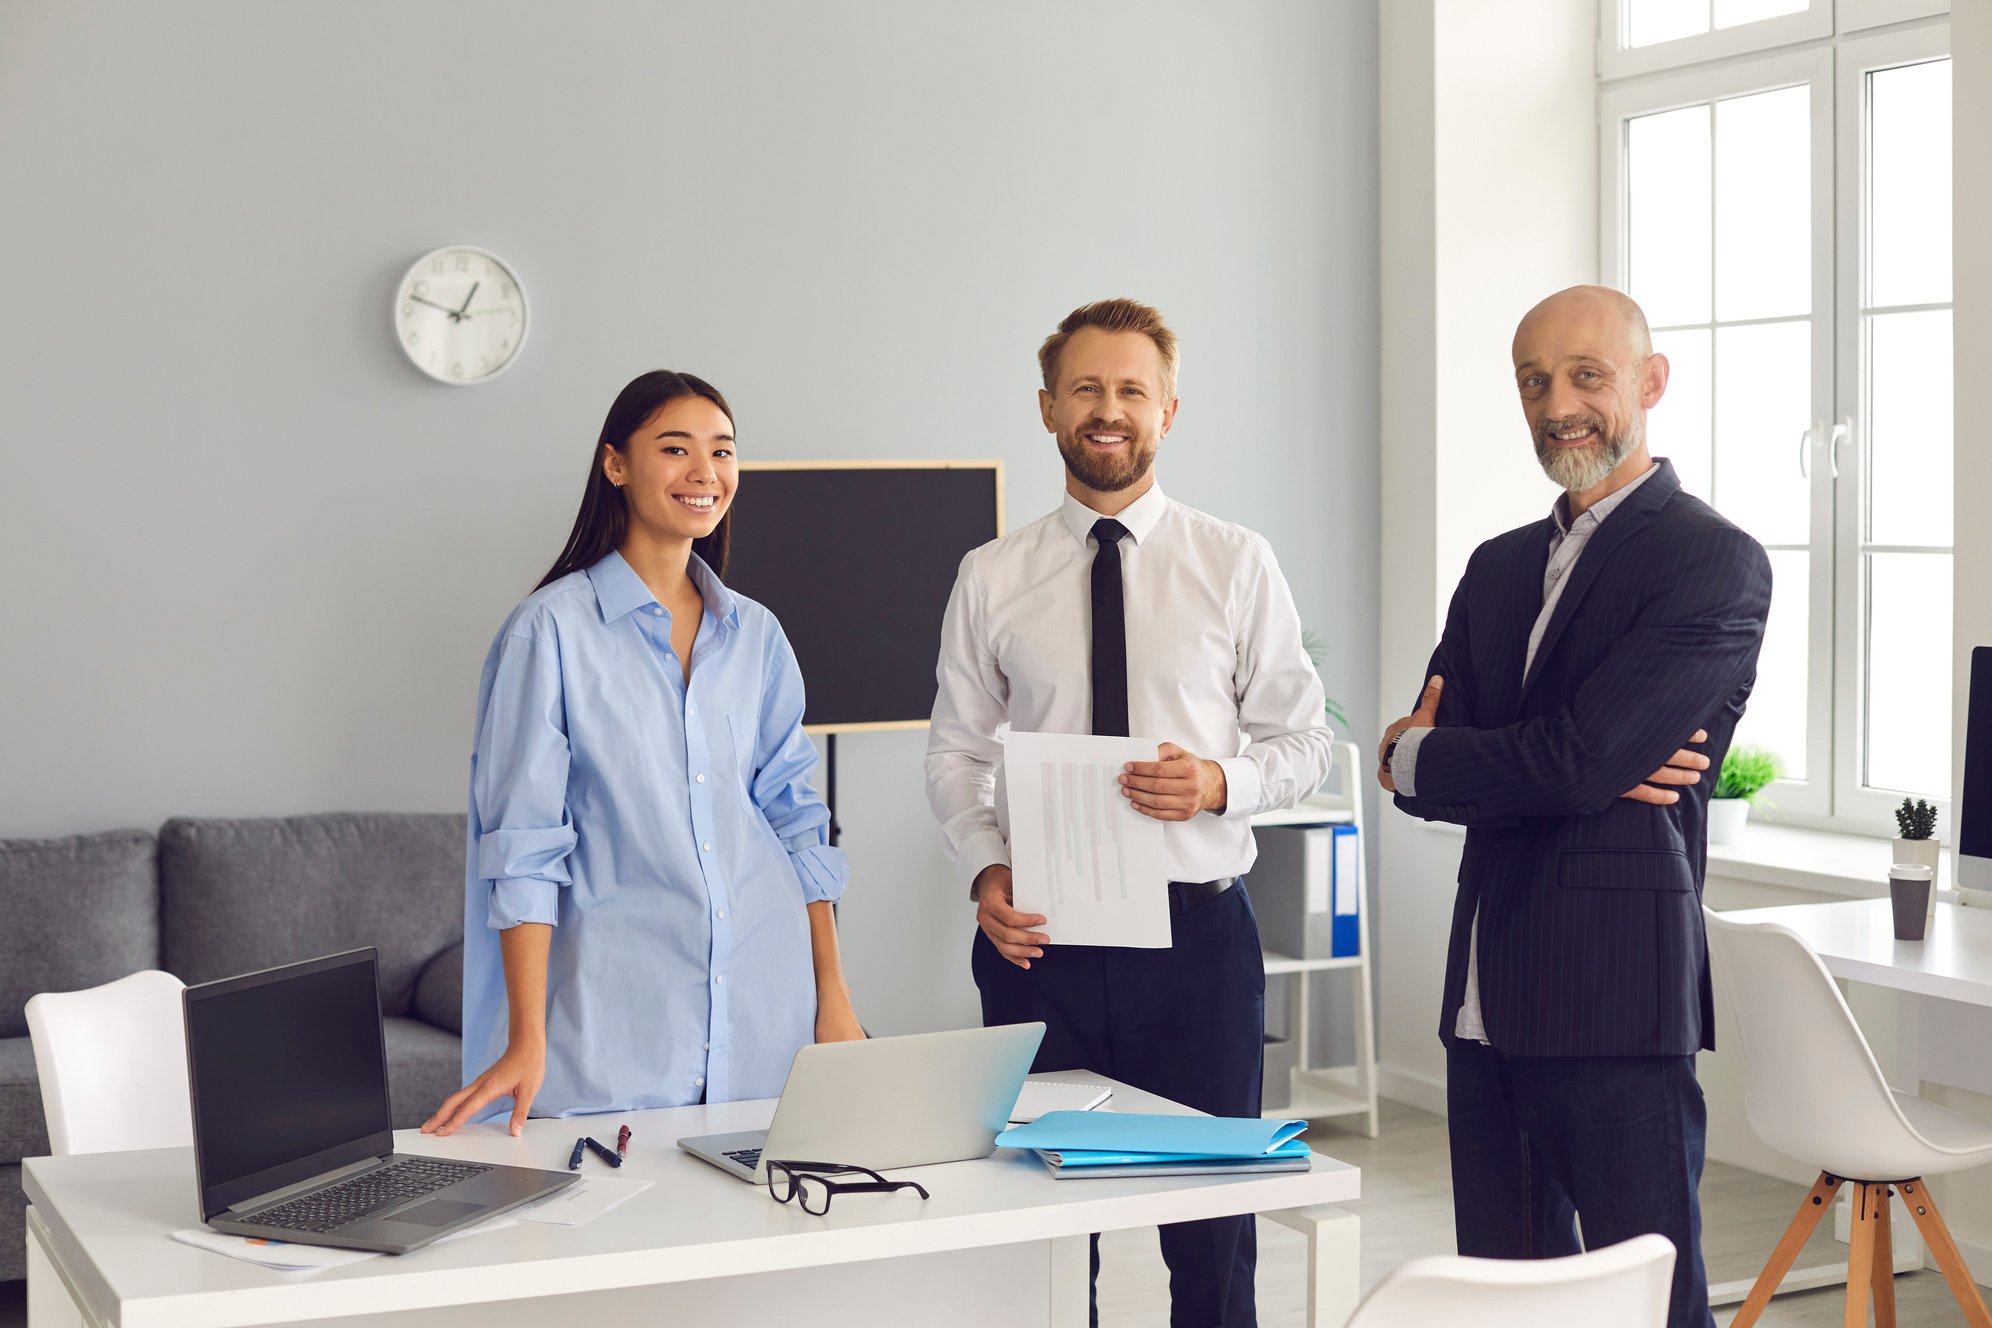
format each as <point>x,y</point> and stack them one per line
<point>1083,1143</point>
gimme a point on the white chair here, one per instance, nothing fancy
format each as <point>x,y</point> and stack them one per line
<point>113,1065</point>
<point>1624,1285</point>
<point>1813,1091</point>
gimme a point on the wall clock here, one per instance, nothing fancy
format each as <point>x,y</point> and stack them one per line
<point>460,315</point>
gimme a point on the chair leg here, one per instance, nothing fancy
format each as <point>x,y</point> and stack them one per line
<point>1938,1237</point>
<point>1884,1260</point>
<point>1860,1255</point>
<point>1810,1209</point>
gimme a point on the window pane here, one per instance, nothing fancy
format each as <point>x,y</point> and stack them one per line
<point>1650,21</point>
<point>1909,184</point>
<point>1909,428</point>
<point>1763,404</point>
<point>1667,174</point>
<point>1775,717</point>
<point>1909,675</point>
<point>1678,428</point>
<point>1729,13</point>
<point>1763,204</point>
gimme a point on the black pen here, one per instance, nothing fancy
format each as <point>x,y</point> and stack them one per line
<point>574,1162</point>
<point>599,1150</point>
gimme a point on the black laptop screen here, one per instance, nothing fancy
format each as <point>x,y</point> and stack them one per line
<point>287,1074</point>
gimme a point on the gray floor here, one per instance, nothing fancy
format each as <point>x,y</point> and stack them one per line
<point>1411,1215</point>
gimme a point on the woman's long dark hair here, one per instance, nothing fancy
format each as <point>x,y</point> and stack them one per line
<point>603,519</point>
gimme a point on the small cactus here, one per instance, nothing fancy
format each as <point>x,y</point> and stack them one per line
<point>1916,819</point>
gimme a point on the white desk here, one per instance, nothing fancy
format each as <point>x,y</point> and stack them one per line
<point>1856,940</point>
<point>1000,1241</point>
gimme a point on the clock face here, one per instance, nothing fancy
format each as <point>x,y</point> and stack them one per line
<point>460,315</point>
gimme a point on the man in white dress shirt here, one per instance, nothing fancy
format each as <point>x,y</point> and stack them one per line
<point>1122,613</point>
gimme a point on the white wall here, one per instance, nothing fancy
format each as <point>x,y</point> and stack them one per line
<point>250,559</point>
<point>1487,198</point>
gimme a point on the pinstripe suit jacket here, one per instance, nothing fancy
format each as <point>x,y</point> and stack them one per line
<point>1589,905</point>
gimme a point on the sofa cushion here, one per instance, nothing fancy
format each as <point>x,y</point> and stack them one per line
<point>424,1066</point>
<point>80,912</point>
<point>13,1229</point>
<point>23,1129</point>
<point>239,895</point>
<point>439,991</point>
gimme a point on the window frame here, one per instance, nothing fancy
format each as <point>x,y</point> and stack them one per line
<point>1856,805</point>
<point>1617,60</point>
<point>1812,798</point>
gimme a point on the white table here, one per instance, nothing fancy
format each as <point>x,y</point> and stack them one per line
<point>1855,940</point>
<point>999,1242</point>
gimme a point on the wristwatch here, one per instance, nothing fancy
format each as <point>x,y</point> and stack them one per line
<point>1391,749</point>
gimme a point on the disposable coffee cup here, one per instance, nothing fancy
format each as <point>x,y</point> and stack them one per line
<point>1910,886</point>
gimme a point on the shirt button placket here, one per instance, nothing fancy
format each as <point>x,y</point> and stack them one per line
<point>698,761</point>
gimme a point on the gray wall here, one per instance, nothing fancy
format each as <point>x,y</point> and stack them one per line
<point>250,558</point>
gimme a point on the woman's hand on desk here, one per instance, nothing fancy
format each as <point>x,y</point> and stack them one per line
<point>517,1075</point>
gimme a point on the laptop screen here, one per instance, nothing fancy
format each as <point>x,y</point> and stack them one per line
<point>288,1076</point>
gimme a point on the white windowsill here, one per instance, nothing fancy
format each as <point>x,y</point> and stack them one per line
<point>1852,866</point>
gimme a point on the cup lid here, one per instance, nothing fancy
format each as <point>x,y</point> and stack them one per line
<point>1912,871</point>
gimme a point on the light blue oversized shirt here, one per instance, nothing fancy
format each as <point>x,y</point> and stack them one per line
<point>668,831</point>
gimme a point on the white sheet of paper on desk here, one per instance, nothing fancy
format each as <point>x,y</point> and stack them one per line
<point>1079,852</point>
<point>583,1201</point>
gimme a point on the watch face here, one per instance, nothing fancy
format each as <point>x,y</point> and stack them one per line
<point>460,315</point>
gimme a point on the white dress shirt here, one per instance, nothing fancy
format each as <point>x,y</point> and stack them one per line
<point>1214,665</point>
<point>1564,547</point>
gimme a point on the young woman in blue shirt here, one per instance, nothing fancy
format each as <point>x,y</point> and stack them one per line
<point>647,906</point>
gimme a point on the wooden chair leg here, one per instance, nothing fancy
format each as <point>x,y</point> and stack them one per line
<point>1814,1206</point>
<point>1884,1260</point>
<point>1938,1237</point>
<point>1860,1254</point>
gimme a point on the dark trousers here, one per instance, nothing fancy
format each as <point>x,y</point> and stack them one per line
<point>1187,1023</point>
<point>1614,1142</point>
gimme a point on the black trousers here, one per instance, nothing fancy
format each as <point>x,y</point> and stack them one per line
<point>1187,1023</point>
<point>1542,1143</point>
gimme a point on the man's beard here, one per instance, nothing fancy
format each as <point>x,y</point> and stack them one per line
<point>1576,469</point>
<point>1106,472</point>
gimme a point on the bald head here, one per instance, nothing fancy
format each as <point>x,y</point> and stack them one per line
<point>1612,314</point>
<point>1587,374</point>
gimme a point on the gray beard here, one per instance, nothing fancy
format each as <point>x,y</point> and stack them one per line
<point>1577,469</point>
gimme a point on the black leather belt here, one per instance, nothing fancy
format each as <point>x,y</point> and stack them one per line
<point>1186,895</point>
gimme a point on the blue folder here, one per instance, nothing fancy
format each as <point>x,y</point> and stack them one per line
<point>1132,1132</point>
<point>1081,1157</point>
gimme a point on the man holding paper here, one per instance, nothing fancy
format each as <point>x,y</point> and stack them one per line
<point>1125,613</point>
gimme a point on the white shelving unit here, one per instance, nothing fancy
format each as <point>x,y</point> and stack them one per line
<point>1321,1091</point>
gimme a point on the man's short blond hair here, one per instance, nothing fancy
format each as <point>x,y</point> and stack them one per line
<point>1112,316</point>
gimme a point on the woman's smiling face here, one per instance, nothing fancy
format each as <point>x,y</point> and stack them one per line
<point>678,470</point>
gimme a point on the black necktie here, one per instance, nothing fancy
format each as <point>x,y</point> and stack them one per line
<point>1109,633</point>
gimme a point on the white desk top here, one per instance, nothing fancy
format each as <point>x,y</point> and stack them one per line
<point>107,1216</point>
<point>1856,940</point>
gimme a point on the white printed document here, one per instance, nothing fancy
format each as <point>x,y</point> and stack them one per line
<point>1080,854</point>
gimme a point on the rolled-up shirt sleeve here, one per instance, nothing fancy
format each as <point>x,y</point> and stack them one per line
<point>1281,709</point>
<point>519,782</point>
<point>784,759</point>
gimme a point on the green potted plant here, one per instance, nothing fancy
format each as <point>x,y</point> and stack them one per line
<point>1746,773</point>
<point>1917,820</point>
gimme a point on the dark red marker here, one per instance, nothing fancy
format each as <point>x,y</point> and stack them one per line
<point>622,1142</point>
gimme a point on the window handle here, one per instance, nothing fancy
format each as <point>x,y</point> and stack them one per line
<point>1805,438</point>
<point>1844,428</point>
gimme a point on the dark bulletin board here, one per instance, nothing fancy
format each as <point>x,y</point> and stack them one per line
<point>856,560</point>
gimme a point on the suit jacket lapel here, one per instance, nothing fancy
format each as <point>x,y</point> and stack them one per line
<point>1627,520</point>
<point>1503,674</point>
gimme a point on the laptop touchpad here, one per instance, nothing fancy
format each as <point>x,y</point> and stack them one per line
<point>436,1213</point>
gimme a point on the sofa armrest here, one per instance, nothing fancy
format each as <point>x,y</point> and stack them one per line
<point>439,990</point>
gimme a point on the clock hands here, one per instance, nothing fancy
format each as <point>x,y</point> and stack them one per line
<point>456,316</point>
<point>464,312</point>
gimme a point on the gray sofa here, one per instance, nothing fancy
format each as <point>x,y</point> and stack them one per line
<point>207,899</point>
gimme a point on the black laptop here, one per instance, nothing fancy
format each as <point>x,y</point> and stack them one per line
<point>293,1139</point>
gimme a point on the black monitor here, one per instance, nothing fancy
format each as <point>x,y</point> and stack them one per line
<point>288,1074</point>
<point>856,559</point>
<point>1974,800</point>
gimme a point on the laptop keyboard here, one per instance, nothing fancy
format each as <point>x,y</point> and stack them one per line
<point>338,1205</point>
<point>746,1157</point>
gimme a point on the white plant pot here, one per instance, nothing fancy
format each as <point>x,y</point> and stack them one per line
<point>1923,852</point>
<point>1726,817</point>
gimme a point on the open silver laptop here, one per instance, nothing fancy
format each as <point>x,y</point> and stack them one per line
<point>293,1139</point>
<point>887,1102</point>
